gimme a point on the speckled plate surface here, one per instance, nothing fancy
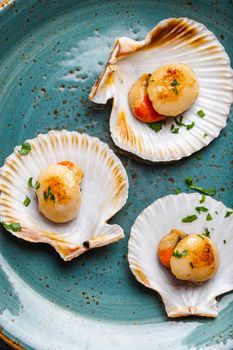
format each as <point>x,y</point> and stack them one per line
<point>51,52</point>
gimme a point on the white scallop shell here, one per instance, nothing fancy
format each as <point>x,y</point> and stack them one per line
<point>174,40</point>
<point>104,192</point>
<point>181,298</point>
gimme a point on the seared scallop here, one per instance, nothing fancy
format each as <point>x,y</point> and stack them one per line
<point>172,89</point>
<point>195,258</point>
<point>199,69</point>
<point>59,192</point>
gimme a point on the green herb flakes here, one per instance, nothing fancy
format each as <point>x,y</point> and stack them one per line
<point>201,113</point>
<point>25,149</point>
<point>190,218</point>
<point>188,180</point>
<point>179,121</point>
<point>206,232</point>
<point>201,209</point>
<point>156,126</point>
<point>209,217</point>
<point>202,200</point>
<point>13,226</point>
<point>175,83</point>
<point>36,186</point>
<point>49,195</point>
<point>228,213</point>
<point>193,186</point>
<point>175,131</point>
<point>179,255</point>
<point>190,126</point>
<point>224,241</point>
<point>177,190</point>
<point>26,201</point>
<point>191,264</point>
<point>201,236</point>
<point>175,90</point>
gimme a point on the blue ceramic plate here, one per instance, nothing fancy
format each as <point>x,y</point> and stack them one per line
<point>51,52</point>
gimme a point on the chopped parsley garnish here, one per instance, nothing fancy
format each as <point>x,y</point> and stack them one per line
<point>202,200</point>
<point>14,226</point>
<point>224,241</point>
<point>188,180</point>
<point>228,213</point>
<point>201,209</point>
<point>48,195</point>
<point>216,212</point>
<point>205,135</point>
<point>201,236</point>
<point>209,217</point>
<point>193,186</point>
<point>175,83</point>
<point>190,126</point>
<point>201,113</point>
<point>177,190</point>
<point>179,255</point>
<point>189,218</point>
<point>25,149</point>
<point>26,201</point>
<point>36,186</point>
<point>206,232</point>
<point>174,130</point>
<point>156,126</point>
<point>179,121</point>
<point>175,90</point>
<point>191,264</point>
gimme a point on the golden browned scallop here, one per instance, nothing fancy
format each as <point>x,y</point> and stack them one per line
<point>59,193</point>
<point>195,258</point>
<point>172,89</point>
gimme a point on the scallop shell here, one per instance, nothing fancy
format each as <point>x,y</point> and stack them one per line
<point>104,192</point>
<point>174,40</point>
<point>181,298</point>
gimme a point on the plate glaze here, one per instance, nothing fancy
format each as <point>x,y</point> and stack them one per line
<point>51,53</point>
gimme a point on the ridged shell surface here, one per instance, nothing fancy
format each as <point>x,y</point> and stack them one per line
<point>182,298</point>
<point>174,40</point>
<point>104,192</point>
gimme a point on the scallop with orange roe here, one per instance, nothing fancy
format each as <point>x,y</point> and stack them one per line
<point>191,72</point>
<point>167,245</point>
<point>200,268</point>
<point>139,102</point>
